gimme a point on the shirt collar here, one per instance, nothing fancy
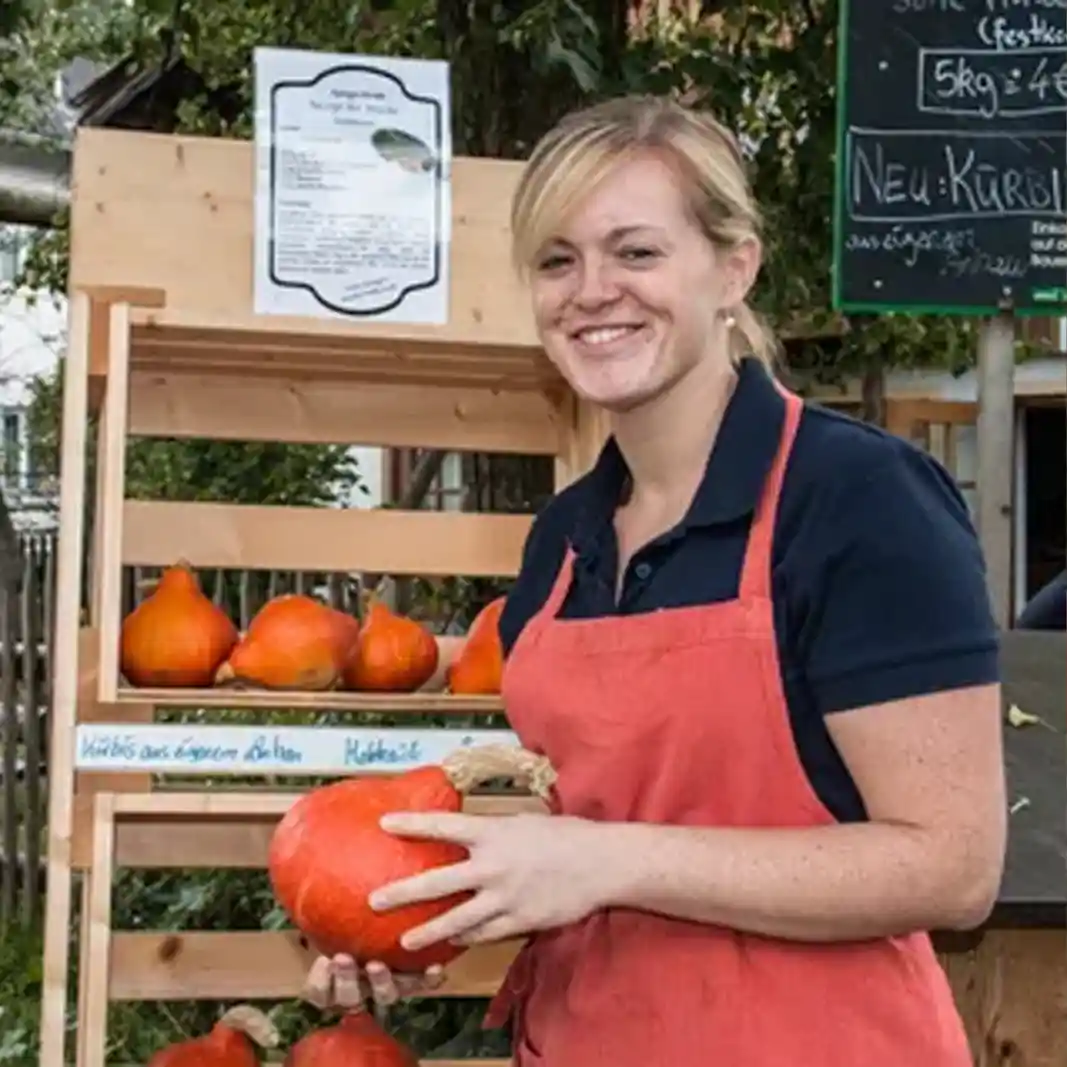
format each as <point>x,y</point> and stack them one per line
<point>736,471</point>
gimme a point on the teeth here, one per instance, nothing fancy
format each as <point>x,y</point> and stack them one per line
<point>605,334</point>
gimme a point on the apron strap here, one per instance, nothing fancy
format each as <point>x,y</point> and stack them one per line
<point>756,569</point>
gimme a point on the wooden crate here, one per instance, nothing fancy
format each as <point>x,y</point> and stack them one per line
<point>180,354</point>
<point>202,831</point>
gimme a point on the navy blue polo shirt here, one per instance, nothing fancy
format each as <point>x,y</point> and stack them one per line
<point>878,579</point>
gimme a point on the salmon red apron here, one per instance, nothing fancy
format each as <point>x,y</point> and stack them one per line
<point>679,717</point>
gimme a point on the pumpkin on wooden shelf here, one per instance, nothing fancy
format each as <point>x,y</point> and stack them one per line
<point>478,669</point>
<point>356,1041</point>
<point>176,637</point>
<point>293,642</point>
<point>394,654</point>
<point>328,854</point>
<point>231,1043</point>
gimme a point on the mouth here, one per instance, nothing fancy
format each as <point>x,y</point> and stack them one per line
<point>603,338</point>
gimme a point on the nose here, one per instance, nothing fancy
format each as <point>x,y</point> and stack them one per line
<point>595,285</point>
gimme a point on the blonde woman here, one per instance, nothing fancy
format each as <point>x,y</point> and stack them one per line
<point>755,642</point>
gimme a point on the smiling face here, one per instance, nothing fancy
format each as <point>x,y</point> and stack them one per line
<point>630,295</point>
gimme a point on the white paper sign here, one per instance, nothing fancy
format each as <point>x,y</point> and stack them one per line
<point>251,750</point>
<point>353,186</point>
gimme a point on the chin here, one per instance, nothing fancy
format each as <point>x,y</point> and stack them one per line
<point>615,385</point>
<point>616,392</point>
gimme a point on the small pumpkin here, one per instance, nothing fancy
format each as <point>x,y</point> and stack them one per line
<point>231,1043</point>
<point>393,654</point>
<point>293,642</point>
<point>176,637</point>
<point>328,853</point>
<point>356,1041</point>
<point>478,670</point>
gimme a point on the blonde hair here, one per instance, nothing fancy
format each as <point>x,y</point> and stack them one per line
<point>587,145</point>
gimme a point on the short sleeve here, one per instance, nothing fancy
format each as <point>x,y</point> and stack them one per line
<point>542,555</point>
<point>898,606</point>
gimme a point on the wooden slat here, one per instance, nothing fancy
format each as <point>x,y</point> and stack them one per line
<point>315,412</point>
<point>236,837</point>
<point>424,543</point>
<point>258,965</point>
<point>263,700</point>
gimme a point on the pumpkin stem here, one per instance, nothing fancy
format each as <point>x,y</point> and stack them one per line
<point>225,674</point>
<point>253,1024</point>
<point>468,767</point>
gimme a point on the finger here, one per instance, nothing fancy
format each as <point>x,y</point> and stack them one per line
<point>435,826</point>
<point>498,929</point>
<point>383,987</point>
<point>454,923</point>
<point>318,985</point>
<point>415,984</point>
<point>347,990</point>
<point>430,885</point>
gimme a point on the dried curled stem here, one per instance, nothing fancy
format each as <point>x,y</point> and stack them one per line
<point>253,1024</point>
<point>470,767</point>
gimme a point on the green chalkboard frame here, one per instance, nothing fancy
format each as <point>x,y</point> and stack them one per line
<point>1053,309</point>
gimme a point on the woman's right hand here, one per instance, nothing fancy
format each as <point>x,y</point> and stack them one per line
<point>338,983</point>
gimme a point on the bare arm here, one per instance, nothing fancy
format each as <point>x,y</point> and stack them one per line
<point>930,770</point>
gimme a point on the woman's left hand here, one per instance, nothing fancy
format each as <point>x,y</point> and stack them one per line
<point>527,873</point>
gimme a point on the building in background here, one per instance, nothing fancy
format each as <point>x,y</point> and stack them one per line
<point>32,336</point>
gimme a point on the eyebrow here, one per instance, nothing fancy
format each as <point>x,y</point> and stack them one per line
<point>617,234</point>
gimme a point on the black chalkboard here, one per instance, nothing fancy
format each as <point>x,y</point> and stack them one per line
<point>951,191</point>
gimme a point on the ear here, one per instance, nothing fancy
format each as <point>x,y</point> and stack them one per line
<point>741,267</point>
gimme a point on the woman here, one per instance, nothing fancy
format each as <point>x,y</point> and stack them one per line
<point>754,641</point>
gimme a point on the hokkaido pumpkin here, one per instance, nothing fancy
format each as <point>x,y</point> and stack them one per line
<point>230,1044</point>
<point>393,654</point>
<point>176,637</point>
<point>356,1041</point>
<point>479,667</point>
<point>328,854</point>
<point>293,642</point>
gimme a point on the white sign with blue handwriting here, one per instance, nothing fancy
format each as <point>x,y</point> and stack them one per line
<point>250,750</point>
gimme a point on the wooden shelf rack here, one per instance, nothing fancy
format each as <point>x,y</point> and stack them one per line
<point>163,343</point>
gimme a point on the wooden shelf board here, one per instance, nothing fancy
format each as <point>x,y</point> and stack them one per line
<point>256,699</point>
<point>164,340</point>
<point>256,965</point>
<point>337,540</point>
<point>229,831</point>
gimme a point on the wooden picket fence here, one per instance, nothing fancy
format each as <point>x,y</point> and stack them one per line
<point>25,672</point>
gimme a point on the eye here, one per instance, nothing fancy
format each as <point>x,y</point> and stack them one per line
<point>553,261</point>
<point>639,254</point>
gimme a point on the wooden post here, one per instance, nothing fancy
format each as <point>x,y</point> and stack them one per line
<point>996,440</point>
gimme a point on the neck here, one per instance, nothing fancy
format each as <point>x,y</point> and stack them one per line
<point>666,442</point>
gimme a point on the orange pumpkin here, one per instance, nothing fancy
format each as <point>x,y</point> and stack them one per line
<point>479,667</point>
<point>356,1041</point>
<point>293,642</point>
<point>393,654</point>
<point>328,854</point>
<point>176,637</point>
<point>231,1043</point>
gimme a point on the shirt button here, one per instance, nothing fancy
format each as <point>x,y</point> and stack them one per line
<point>643,570</point>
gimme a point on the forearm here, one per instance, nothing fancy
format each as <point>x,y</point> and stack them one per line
<point>837,883</point>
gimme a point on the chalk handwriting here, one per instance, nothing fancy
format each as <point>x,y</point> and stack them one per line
<point>990,84</point>
<point>949,175</point>
<point>1038,31</point>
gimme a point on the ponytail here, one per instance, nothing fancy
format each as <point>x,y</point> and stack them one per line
<point>752,336</point>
